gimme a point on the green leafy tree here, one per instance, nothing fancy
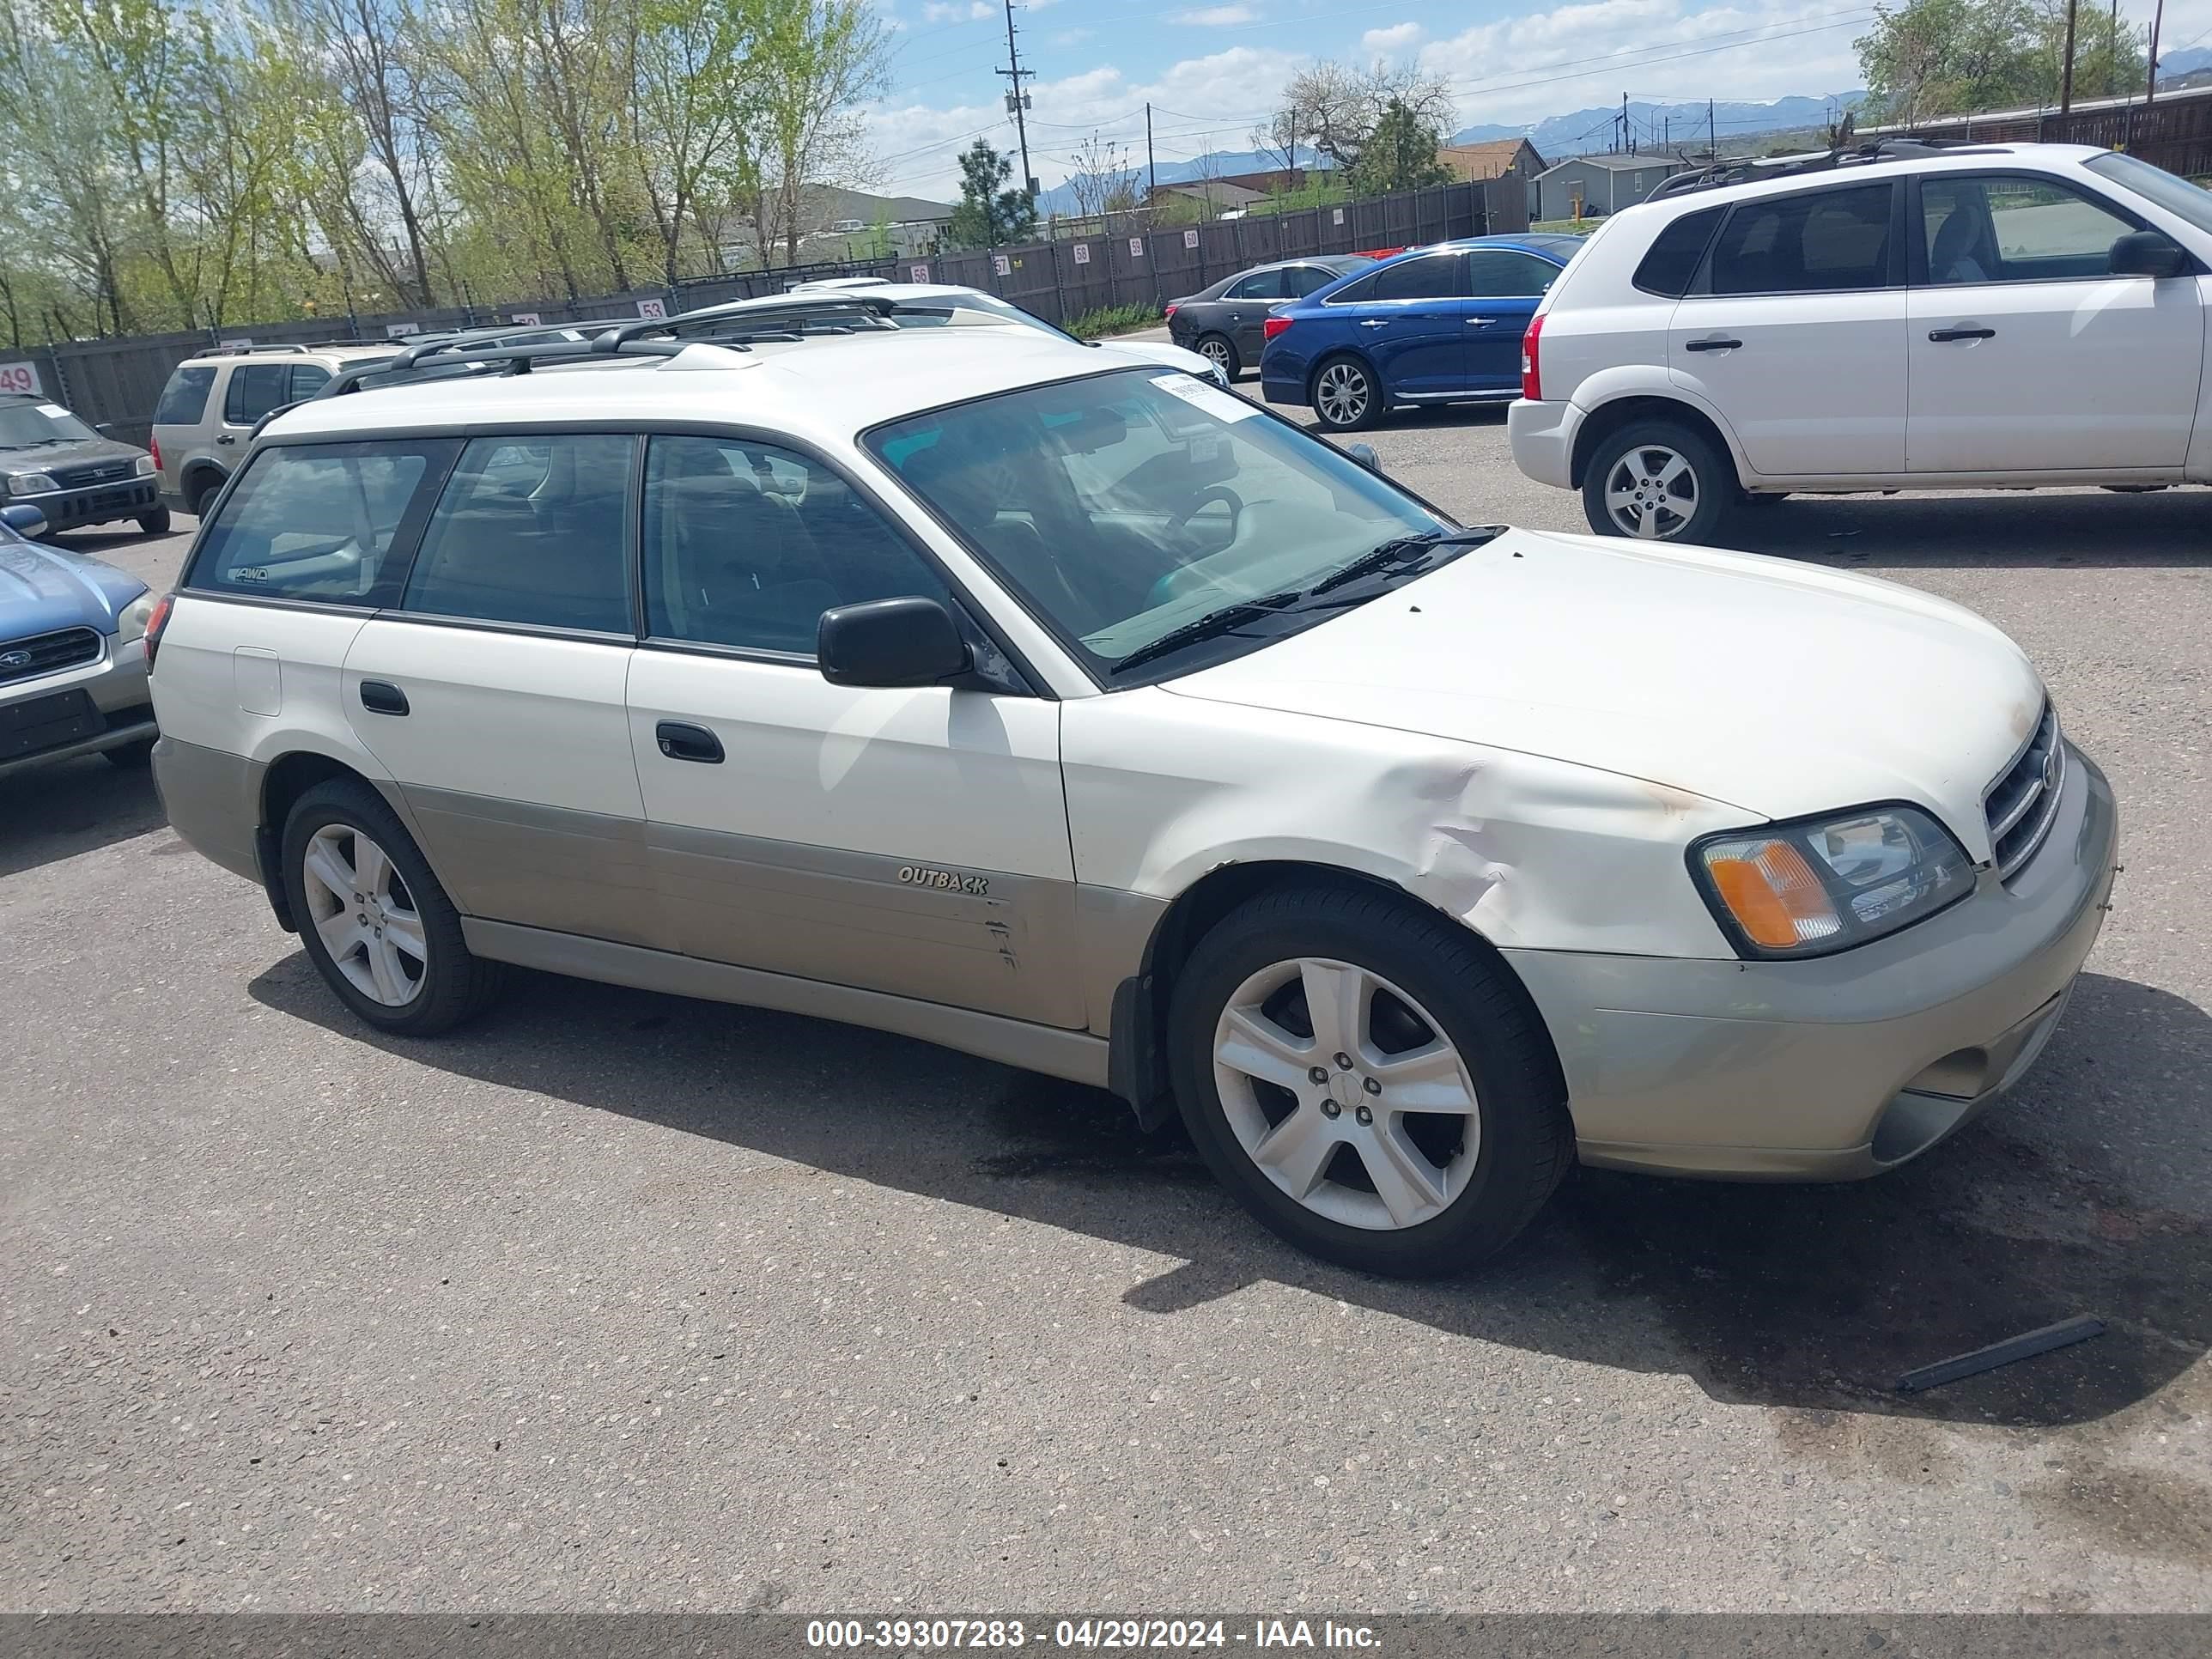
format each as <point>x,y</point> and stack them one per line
<point>1933,58</point>
<point>991,213</point>
<point>1400,153</point>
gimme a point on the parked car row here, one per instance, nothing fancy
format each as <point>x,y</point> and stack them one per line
<point>839,655</point>
<point>72,656</point>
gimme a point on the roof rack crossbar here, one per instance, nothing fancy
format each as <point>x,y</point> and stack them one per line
<point>1748,169</point>
<point>724,323</point>
<point>436,359</point>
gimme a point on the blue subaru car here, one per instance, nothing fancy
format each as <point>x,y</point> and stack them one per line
<point>1437,325</point>
<point>72,653</point>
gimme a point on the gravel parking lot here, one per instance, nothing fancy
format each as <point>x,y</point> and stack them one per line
<point>618,1301</point>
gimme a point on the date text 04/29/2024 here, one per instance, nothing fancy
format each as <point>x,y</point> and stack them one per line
<point>1109,1635</point>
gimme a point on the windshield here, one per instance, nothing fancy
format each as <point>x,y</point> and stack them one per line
<point>2170,191</point>
<point>1123,507</point>
<point>22,425</point>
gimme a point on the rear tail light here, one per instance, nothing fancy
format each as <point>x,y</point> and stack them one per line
<point>155,623</point>
<point>1275,326</point>
<point>1532,370</point>
<point>156,443</point>
<point>1170,310</point>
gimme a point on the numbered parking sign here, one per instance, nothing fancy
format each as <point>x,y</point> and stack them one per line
<point>526,319</point>
<point>1190,239</point>
<point>393,330</point>
<point>917,273</point>
<point>1002,264</point>
<point>1336,216</point>
<point>652,308</point>
<point>1082,253</point>
<point>20,377</point>
<point>1136,247</point>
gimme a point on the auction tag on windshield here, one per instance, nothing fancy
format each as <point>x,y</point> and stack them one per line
<point>1221,405</point>
<point>52,409</point>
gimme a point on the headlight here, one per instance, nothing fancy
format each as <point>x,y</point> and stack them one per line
<point>142,467</point>
<point>131,623</point>
<point>1825,884</point>
<point>31,483</point>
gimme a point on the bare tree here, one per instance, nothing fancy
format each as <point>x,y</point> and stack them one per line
<point>1098,169</point>
<point>1336,108</point>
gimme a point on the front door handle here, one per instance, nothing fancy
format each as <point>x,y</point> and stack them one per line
<point>382,698</point>
<point>681,740</point>
<point>1962,331</point>
<point>1480,322</point>
<point>226,439</point>
<point>1711,346</point>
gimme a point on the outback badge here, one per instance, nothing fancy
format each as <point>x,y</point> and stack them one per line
<point>951,881</point>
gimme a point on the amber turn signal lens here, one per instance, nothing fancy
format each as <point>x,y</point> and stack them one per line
<point>1772,893</point>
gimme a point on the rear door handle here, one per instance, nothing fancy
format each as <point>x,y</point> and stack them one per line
<point>681,740</point>
<point>1374,322</point>
<point>382,698</point>
<point>1963,332</point>
<point>226,439</point>
<point>1711,346</point>
<point>1480,322</point>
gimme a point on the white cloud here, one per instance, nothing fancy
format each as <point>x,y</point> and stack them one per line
<point>954,11</point>
<point>1071,37</point>
<point>1215,17</point>
<point>1396,38</point>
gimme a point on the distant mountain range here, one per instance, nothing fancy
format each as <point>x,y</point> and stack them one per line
<point>1675,125</point>
<point>2175,65</point>
<point>1218,164</point>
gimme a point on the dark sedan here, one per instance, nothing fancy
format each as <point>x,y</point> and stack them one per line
<point>1222,323</point>
<point>51,460</point>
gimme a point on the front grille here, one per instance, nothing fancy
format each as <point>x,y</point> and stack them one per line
<point>98,472</point>
<point>2021,804</point>
<point>42,654</point>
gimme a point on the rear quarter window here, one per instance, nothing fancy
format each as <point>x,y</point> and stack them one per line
<point>321,522</point>
<point>183,400</point>
<point>1671,265</point>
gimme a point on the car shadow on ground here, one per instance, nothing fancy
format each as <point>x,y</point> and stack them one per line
<point>1992,530</point>
<point>1810,1297</point>
<point>53,812</point>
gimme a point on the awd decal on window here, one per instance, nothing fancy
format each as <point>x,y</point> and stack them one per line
<point>920,875</point>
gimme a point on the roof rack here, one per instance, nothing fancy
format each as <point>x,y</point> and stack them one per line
<point>252,350</point>
<point>1905,147</point>
<point>787,318</point>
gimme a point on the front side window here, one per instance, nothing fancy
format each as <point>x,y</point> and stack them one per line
<point>1302,280</point>
<point>1821,240</point>
<point>319,521</point>
<point>1264,285</point>
<point>2000,228</point>
<point>530,530</point>
<point>747,545</point>
<point>1122,506</point>
<point>255,389</point>
<point>183,400</point>
<point>1500,273</point>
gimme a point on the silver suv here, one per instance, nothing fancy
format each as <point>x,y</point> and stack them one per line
<point>215,400</point>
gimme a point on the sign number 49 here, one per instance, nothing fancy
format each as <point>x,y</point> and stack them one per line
<point>19,377</point>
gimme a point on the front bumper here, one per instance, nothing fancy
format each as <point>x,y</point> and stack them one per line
<point>1542,437</point>
<point>71,510</point>
<point>99,705</point>
<point>1839,1067</point>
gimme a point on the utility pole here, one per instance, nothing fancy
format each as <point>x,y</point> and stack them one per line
<point>2150,75</point>
<point>2066,77</point>
<point>1152,168</point>
<point>1712,144</point>
<point>2112,53</point>
<point>1017,102</point>
<point>1627,133</point>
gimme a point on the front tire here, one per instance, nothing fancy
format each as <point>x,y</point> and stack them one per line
<point>1367,1080</point>
<point>1221,351</point>
<point>1345,395</point>
<point>1659,480</point>
<point>377,927</point>
<point>155,523</point>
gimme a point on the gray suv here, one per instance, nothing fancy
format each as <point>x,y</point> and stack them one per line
<point>51,460</point>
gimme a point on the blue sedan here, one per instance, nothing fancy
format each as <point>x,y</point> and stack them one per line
<point>1434,325</point>
<point>72,653</point>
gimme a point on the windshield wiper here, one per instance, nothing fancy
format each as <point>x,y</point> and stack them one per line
<point>1212,625</point>
<point>1403,551</point>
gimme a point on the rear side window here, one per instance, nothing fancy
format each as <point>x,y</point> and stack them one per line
<point>320,521</point>
<point>1266,285</point>
<point>1672,264</point>
<point>183,400</point>
<point>1823,240</point>
<point>1500,273</point>
<point>308,378</point>
<point>255,389</point>
<point>1431,276</point>
<point>531,530</point>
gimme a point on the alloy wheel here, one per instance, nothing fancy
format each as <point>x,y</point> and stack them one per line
<point>1345,1093</point>
<point>1215,350</point>
<point>1343,392</point>
<point>1651,493</point>
<point>360,907</point>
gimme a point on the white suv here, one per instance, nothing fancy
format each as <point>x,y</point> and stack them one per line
<point>965,684</point>
<point>1907,317</point>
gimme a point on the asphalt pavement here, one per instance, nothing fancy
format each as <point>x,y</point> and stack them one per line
<point>619,1301</point>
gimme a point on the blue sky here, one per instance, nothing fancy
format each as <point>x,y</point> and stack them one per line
<point>1212,70</point>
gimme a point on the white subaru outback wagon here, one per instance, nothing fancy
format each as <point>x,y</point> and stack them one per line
<point>1908,316</point>
<point>1097,721</point>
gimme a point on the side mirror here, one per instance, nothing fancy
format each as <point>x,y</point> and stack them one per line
<point>892,642</point>
<point>24,520</point>
<point>2147,253</point>
<point>1365,455</point>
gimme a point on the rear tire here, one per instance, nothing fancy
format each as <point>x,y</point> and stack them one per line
<point>1331,1157</point>
<point>202,495</point>
<point>1659,480</point>
<point>1345,395</point>
<point>1221,351</point>
<point>155,523</point>
<point>377,926</point>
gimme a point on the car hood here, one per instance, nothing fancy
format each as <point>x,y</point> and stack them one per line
<point>69,457</point>
<point>1778,688</point>
<point>43,588</point>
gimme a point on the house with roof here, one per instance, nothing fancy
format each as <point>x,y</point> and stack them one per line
<point>1591,186</point>
<point>1498,158</point>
